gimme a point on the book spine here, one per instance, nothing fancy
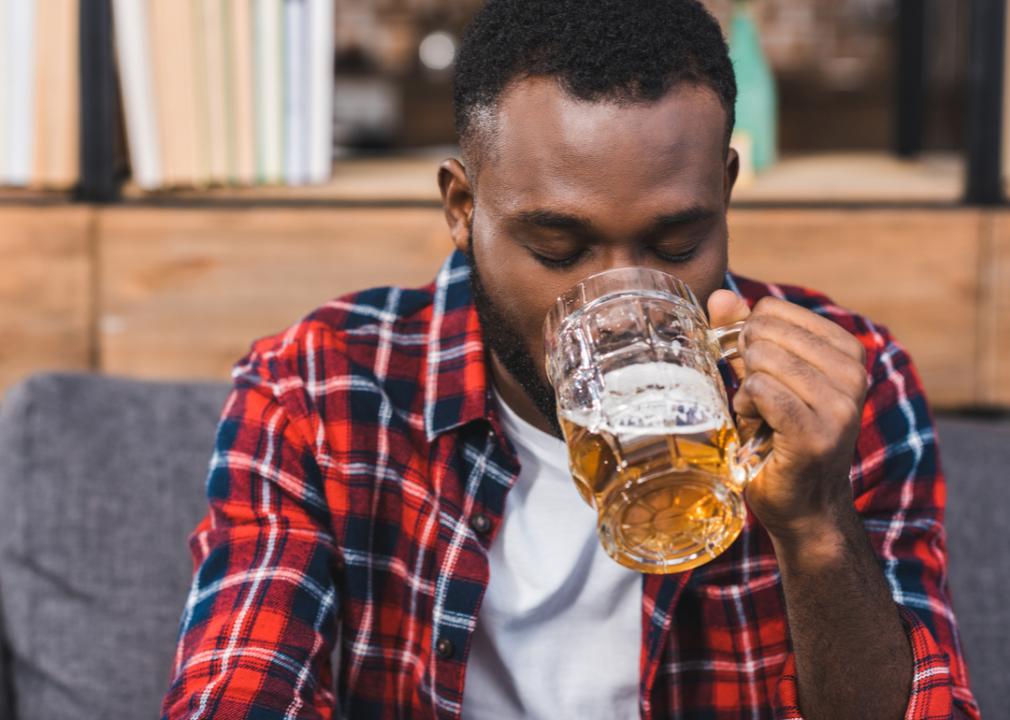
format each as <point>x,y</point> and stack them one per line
<point>294,95</point>
<point>56,162</point>
<point>5,89</point>
<point>198,90</point>
<point>132,45</point>
<point>21,60</point>
<point>215,50</point>
<point>245,133</point>
<point>321,14</point>
<point>269,90</point>
<point>160,31</point>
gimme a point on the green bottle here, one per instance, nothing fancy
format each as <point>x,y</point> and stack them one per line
<point>757,100</point>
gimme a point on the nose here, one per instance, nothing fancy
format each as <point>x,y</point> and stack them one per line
<point>621,256</point>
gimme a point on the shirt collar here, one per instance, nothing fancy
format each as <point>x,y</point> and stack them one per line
<point>457,386</point>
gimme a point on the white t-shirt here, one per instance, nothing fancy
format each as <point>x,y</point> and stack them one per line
<point>559,631</point>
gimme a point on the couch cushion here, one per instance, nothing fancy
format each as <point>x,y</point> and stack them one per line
<point>101,481</point>
<point>976,460</point>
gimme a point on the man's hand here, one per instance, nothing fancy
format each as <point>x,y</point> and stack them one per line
<point>805,376</point>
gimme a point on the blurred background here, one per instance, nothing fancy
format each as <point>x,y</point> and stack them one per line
<point>179,177</point>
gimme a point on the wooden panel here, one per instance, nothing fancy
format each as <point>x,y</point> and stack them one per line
<point>45,291</point>
<point>913,271</point>
<point>184,292</point>
<point>994,325</point>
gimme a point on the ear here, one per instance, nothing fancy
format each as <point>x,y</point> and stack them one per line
<point>457,201</point>
<point>730,173</point>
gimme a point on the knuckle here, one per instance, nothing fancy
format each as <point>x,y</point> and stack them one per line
<point>756,384</point>
<point>858,350</point>
<point>859,380</point>
<point>753,329</point>
<point>765,305</point>
<point>822,444</point>
<point>843,410</point>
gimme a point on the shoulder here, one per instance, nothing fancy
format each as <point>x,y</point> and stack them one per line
<point>876,339</point>
<point>365,342</point>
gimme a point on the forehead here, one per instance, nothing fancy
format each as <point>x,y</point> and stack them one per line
<point>552,148</point>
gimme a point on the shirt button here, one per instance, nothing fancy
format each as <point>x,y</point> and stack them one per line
<point>444,648</point>
<point>480,523</point>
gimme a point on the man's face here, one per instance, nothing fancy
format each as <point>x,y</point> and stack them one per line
<point>573,188</point>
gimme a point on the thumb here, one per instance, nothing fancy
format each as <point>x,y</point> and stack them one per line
<point>726,308</point>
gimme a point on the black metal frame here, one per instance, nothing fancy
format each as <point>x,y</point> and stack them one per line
<point>910,88</point>
<point>99,180</point>
<point>983,148</point>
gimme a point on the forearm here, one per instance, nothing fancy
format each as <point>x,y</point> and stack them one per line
<point>852,654</point>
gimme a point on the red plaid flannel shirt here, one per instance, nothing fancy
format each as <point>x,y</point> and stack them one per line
<point>352,457</point>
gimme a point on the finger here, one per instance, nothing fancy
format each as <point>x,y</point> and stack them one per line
<point>764,396</point>
<point>837,367</point>
<point>819,326</point>
<point>806,381</point>
<point>726,308</point>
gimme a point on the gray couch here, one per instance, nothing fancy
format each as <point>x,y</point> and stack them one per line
<point>101,481</point>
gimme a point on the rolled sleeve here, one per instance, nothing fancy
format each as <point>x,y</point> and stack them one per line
<point>933,691</point>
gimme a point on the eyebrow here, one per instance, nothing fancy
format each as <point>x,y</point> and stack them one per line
<point>671,221</point>
<point>551,220</point>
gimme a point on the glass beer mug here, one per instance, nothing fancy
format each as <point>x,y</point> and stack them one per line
<point>651,441</point>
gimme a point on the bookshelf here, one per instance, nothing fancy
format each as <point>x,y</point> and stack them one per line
<point>109,277</point>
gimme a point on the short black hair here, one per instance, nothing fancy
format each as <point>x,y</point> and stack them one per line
<point>616,50</point>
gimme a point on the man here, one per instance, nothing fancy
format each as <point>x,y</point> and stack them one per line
<point>389,483</point>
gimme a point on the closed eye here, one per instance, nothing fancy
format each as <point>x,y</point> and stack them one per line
<point>558,262</point>
<point>678,258</point>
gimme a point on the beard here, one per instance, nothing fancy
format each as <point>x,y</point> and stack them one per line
<point>503,339</point>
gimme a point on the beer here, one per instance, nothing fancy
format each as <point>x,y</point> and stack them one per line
<point>651,442</point>
<point>654,458</point>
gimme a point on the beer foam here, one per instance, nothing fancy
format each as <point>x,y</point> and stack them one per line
<point>655,397</point>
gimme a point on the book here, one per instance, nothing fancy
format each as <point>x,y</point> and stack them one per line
<point>130,23</point>
<point>171,31</point>
<point>199,91</point>
<point>214,56</point>
<point>320,95</point>
<point>21,97</point>
<point>268,51</point>
<point>5,85</point>
<point>242,135</point>
<point>296,86</point>
<point>226,91</point>
<point>56,151</point>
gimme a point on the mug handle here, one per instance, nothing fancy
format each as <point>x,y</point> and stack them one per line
<point>754,453</point>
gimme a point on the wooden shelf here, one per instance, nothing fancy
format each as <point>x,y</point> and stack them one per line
<point>26,196</point>
<point>404,179</point>
<point>824,179</point>
<point>858,178</point>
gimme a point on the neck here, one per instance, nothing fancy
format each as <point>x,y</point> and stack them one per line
<point>513,394</point>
